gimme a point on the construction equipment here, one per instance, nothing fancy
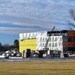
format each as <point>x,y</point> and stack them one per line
<point>45,48</point>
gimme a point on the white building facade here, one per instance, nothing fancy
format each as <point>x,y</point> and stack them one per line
<point>54,43</point>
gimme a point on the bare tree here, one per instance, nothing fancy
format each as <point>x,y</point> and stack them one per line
<point>72,24</point>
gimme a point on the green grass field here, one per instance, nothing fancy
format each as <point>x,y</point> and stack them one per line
<point>38,68</point>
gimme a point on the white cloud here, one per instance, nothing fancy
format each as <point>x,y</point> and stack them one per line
<point>10,30</point>
<point>15,30</point>
<point>44,13</point>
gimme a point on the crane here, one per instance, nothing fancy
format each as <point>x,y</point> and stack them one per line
<point>41,52</point>
<point>45,47</point>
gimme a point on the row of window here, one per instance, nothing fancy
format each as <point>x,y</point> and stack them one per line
<point>51,48</point>
<point>28,35</point>
<point>51,44</point>
<point>57,34</point>
<point>49,39</point>
<point>69,39</point>
<point>31,35</point>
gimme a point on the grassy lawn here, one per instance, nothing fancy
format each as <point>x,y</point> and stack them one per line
<point>38,68</point>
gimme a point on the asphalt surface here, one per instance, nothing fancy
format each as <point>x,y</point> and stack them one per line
<point>34,59</point>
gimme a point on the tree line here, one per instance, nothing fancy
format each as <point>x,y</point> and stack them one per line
<point>7,46</point>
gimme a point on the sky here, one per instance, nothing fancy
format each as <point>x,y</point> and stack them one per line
<point>21,16</point>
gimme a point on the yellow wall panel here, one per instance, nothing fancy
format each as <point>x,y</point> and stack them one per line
<point>27,44</point>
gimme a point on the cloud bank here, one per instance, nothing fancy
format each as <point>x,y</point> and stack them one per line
<point>42,13</point>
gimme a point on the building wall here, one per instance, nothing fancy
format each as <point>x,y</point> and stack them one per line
<point>41,40</point>
<point>69,41</point>
<point>37,41</point>
<point>27,44</point>
<point>71,33</point>
<point>59,41</point>
<point>29,40</point>
<point>54,43</point>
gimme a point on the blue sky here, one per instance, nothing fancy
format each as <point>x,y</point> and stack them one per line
<point>19,16</point>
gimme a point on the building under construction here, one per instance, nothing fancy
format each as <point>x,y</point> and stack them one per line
<point>54,43</point>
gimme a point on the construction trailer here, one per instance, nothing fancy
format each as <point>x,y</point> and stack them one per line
<point>58,44</point>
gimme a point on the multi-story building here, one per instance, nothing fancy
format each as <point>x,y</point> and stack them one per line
<point>56,42</point>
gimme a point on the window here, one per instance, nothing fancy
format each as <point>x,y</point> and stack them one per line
<point>24,35</point>
<point>29,35</point>
<point>40,44</point>
<point>49,44</point>
<point>65,38</point>
<point>55,38</point>
<point>60,38</point>
<point>52,34</point>
<point>55,44</point>
<point>52,44</point>
<point>43,44</point>
<point>71,39</point>
<point>60,43</point>
<point>45,39</point>
<point>52,38</point>
<point>35,34</point>
<point>40,39</point>
<point>49,38</point>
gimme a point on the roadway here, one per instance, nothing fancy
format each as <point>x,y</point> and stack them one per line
<point>15,59</point>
